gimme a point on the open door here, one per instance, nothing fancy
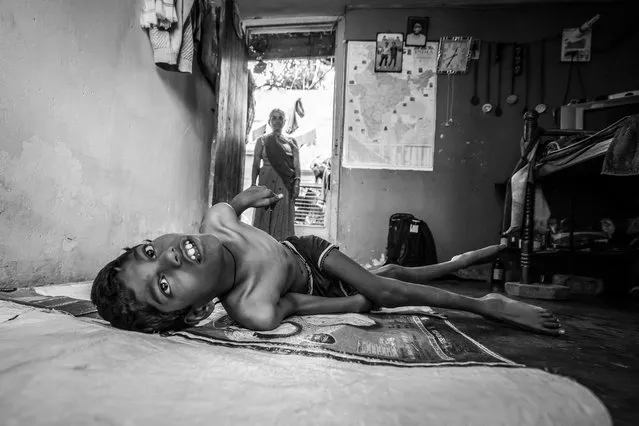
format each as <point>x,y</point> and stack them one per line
<point>316,213</point>
<point>229,141</point>
<point>293,63</point>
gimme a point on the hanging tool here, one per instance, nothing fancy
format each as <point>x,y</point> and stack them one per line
<point>475,99</point>
<point>498,52</point>
<point>526,50</point>
<point>488,107</point>
<point>541,106</point>
<point>512,98</point>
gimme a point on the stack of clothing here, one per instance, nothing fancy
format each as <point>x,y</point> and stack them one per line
<point>175,27</point>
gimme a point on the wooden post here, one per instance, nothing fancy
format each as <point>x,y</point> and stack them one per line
<point>526,287</point>
<point>528,226</point>
<point>338,128</point>
<point>229,143</point>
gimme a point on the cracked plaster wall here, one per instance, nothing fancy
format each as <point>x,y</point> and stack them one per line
<point>99,148</point>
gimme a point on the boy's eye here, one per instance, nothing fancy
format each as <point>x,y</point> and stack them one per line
<point>165,288</point>
<point>149,250</point>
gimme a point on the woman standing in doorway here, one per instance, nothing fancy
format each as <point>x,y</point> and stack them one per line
<point>276,161</point>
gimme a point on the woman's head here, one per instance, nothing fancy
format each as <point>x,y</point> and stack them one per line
<point>277,119</point>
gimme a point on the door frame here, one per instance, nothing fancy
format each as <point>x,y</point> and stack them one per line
<point>338,127</point>
<point>229,141</point>
<point>291,24</point>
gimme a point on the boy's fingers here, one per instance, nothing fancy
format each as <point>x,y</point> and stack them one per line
<point>269,201</point>
<point>275,198</point>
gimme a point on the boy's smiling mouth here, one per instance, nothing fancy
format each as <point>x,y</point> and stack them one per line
<point>191,251</point>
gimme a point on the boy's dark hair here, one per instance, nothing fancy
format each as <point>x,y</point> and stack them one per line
<point>117,304</point>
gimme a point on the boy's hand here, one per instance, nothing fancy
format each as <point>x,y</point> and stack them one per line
<point>255,196</point>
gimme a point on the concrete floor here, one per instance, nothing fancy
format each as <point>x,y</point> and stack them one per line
<point>600,349</point>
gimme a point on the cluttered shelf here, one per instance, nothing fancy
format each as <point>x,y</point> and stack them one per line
<point>590,179</point>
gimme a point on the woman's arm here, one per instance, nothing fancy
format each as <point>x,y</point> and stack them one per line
<point>298,169</point>
<point>257,158</point>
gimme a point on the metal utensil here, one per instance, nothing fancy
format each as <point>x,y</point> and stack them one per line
<point>475,99</point>
<point>498,52</point>
<point>515,70</point>
<point>488,107</point>
<point>541,107</point>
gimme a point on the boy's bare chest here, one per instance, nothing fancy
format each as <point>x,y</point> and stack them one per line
<point>264,272</point>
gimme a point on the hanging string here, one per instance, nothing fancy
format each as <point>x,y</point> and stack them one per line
<point>447,100</point>
<point>572,62</point>
<point>526,51</point>
<point>542,77</point>
<point>581,82</point>
<point>452,99</point>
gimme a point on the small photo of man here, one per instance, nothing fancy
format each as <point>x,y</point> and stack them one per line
<point>416,31</point>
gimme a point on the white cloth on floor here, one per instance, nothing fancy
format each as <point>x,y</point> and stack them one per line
<point>57,369</point>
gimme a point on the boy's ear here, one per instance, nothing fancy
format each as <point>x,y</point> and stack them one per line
<point>196,315</point>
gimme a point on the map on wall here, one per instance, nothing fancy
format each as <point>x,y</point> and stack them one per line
<point>389,118</point>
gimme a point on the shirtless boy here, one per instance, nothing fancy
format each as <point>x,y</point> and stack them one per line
<point>170,282</point>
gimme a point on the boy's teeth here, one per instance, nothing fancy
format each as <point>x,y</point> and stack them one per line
<point>191,250</point>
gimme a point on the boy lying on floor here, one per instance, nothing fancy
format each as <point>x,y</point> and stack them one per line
<point>170,282</point>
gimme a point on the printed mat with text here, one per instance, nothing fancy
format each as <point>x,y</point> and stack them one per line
<point>406,337</point>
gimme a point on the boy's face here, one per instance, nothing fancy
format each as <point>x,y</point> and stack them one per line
<point>417,28</point>
<point>175,271</point>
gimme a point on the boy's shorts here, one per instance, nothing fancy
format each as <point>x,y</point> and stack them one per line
<point>313,251</point>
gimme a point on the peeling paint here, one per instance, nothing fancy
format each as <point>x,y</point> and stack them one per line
<point>69,244</point>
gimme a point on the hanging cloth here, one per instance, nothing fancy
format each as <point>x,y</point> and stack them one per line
<point>296,116</point>
<point>173,46</point>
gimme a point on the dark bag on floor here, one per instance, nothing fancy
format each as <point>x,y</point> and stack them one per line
<point>410,242</point>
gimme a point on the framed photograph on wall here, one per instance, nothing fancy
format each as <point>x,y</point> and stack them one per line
<point>389,52</point>
<point>416,31</point>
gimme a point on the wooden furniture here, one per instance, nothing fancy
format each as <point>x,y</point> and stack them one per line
<point>607,263</point>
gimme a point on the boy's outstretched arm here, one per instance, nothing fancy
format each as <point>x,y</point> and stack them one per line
<point>254,196</point>
<point>223,214</point>
<point>264,317</point>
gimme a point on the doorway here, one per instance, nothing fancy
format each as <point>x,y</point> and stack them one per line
<point>293,68</point>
